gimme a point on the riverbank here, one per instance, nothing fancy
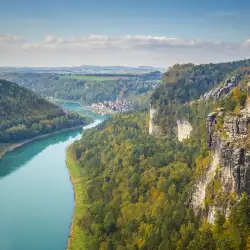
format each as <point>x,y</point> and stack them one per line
<point>8,147</point>
<point>76,179</point>
<point>100,111</point>
<point>54,100</point>
<point>95,109</point>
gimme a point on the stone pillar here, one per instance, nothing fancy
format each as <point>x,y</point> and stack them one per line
<point>248,90</point>
<point>248,98</point>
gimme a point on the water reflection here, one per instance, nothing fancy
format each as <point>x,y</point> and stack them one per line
<point>12,161</point>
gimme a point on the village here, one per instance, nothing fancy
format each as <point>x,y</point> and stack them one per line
<point>109,107</point>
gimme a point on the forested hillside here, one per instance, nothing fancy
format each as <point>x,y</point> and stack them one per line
<point>23,114</point>
<point>133,192</point>
<point>133,185</point>
<point>87,89</point>
<point>188,82</point>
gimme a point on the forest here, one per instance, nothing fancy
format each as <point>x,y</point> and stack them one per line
<point>188,82</point>
<point>183,84</point>
<point>86,89</point>
<point>133,192</point>
<point>24,115</point>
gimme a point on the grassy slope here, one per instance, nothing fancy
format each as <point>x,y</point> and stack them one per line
<point>89,78</point>
<point>74,171</point>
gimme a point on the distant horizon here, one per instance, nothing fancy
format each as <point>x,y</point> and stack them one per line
<point>122,66</point>
<point>86,65</point>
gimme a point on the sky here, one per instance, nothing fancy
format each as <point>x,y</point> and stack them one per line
<point>122,32</point>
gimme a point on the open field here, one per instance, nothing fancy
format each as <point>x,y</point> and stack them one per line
<point>89,78</point>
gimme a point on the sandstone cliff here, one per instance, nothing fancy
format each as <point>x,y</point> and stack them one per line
<point>154,129</point>
<point>183,128</point>
<point>220,91</point>
<point>234,154</point>
<point>230,168</point>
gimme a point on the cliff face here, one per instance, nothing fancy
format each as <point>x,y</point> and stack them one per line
<point>230,166</point>
<point>183,127</point>
<point>154,129</point>
<point>221,91</point>
<point>234,155</point>
<point>199,194</point>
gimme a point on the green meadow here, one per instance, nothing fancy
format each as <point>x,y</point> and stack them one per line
<point>89,78</point>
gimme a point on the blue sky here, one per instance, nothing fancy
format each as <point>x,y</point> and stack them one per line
<point>207,22</point>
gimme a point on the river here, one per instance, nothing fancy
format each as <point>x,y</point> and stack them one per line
<point>36,195</point>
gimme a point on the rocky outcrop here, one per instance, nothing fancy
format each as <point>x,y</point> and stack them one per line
<point>236,126</point>
<point>220,91</point>
<point>184,129</point>
<point>210,128</point>
<point>234,156</point>
<point>199,193</point>
<point>154,129</point>
<point>229,152</point>
<point>235,174</point>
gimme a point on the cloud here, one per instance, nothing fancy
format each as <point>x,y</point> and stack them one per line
<point>247,42</point>
<point>28,46</point>
<point>10,38</point>
<point>52,39</point>
<point>116,50</point>
<point>128,42</point>
<point>117,42</point>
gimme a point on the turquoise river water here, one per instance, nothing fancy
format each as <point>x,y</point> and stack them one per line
<point>36,195</point>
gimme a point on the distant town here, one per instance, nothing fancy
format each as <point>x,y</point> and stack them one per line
<point>108,107</point>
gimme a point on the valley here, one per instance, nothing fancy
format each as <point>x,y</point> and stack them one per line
<point>173,171</point>
<point>37,191</point>
<point>24,116</point>
<point>124,125</point>
<point>176,175</point>
<point>88,89</point>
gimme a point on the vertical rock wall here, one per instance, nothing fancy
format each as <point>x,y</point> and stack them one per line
<point>229,152</point>
<point>154,129</point>
<point>184,129</point>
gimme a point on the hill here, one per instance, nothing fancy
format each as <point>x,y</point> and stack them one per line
<point>186,83</point>
<point>24,115</point>
<point>86,89</point>
<point>138,190</point>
